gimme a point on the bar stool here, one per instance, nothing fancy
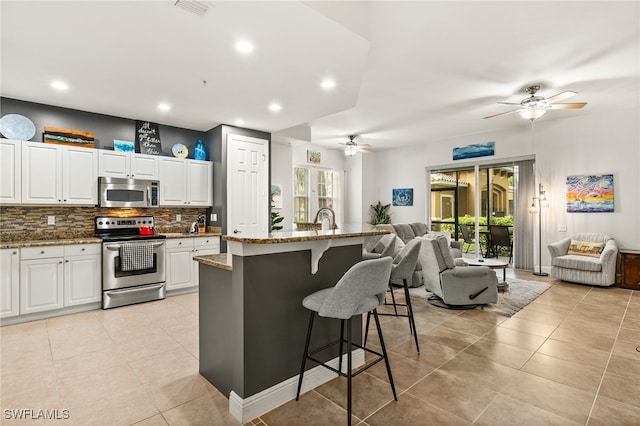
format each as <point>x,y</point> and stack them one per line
<point>385,247</point>
<point>404,264</point>
<point>361,289</point>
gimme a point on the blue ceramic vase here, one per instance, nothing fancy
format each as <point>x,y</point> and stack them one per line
<point>199,151</point>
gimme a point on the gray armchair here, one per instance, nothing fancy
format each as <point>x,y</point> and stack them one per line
<point>589,268</point>
<point>453,282</point>
<point>385,247</point>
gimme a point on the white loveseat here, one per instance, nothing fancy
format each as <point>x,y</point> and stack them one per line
<point>587,258</point>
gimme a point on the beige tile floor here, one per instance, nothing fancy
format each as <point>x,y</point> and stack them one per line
<point>569,358</point>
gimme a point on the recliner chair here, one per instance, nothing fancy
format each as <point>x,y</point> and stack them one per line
<point>454,283</point>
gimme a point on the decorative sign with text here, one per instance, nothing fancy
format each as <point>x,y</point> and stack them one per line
<point>148,138</point>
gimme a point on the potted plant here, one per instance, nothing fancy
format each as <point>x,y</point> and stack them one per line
<point>380,214</point>
<point>275,221</point>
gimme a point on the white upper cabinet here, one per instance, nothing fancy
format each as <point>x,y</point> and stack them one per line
<point>128,165</point>
<point>186,183</point>
<point>58,174</point>
<point>10,176</point>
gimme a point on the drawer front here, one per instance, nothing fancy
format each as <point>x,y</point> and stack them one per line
<point>41,252</point>
<point>81,249</point>
<point>207,242</point>
<point>173,243</point>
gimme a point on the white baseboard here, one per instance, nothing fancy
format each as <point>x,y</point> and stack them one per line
<point>247,409</point>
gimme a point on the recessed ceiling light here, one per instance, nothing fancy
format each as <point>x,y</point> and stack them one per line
<point>244,46</point>
<point>328,84</point>
<point>239,122</point>
<point>164,106</point>
<point>275,107</point>
<point>59,85</point>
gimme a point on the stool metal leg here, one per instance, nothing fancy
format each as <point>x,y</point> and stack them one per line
<point>349,373</point>
<point>341,342</point>
<point>384,353</point>
<point>305,354</point>
<point>366,329</point>
<point>412,321</point>
<point>393,299</point>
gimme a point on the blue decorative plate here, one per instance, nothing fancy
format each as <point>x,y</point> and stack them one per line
<point>180,151</point>
<point>15,126</point>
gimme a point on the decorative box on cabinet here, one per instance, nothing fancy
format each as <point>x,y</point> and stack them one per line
<point>630,268</point>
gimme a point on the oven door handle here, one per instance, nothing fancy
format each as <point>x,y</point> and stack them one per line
<point>115,247</point>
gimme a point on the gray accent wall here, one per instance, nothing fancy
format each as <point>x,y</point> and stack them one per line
<point>216,142</point>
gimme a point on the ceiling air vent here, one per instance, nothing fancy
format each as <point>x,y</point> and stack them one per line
<point>196,7</point>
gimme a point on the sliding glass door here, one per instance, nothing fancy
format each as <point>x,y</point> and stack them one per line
<point>475,198</point>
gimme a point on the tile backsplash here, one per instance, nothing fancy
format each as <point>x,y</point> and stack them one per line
<point>24,223</point>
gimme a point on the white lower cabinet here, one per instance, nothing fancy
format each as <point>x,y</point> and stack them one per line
<point>181,270</point>
<point>54,277</point>
<point>9,282</point>
<point>41,275</point>
<point>82,274</point>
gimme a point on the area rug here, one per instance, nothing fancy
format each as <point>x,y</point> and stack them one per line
<point>519,295</point>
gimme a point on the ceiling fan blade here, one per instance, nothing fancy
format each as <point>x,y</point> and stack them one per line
<point>509,103</point>
<point>501,113</point>
<point>366,145</point>
<point>576,105</point>
<point>561,96</point>
<point>363,149</point>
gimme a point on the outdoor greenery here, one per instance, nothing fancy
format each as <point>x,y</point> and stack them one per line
<point>380,214</point>
<point>471,222</point>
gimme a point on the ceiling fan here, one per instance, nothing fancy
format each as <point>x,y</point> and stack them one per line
<point>536,106</point>
<point>351,148</point>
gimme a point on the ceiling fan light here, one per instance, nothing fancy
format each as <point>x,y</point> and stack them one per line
<point>532,113</point>
<point>350,150</point>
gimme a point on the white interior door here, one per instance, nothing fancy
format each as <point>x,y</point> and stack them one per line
<point>247,185</point>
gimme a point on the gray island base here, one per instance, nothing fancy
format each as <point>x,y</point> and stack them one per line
<point>252,322</point>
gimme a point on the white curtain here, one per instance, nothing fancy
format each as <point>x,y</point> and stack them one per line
<point>523,222</point>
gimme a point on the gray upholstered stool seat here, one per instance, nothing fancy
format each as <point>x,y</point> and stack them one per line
<point>361,289</point>
<point>385,247</point>
<point>402,269</point>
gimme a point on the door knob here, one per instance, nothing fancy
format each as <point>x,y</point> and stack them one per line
<point>235,231</point>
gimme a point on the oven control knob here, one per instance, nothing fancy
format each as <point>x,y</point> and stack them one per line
<point>100,223</point>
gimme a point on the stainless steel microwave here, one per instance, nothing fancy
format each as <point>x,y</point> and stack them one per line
<point>130,193</point>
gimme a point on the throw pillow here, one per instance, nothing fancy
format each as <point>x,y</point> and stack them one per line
<point>585,248</point>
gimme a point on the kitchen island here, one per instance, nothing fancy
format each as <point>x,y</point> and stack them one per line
<point>252,322</point>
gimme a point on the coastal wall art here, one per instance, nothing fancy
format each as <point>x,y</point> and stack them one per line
<point>313,157</point>
<point>590,193</point>
<point>402,197</point>
<point>474,150</point>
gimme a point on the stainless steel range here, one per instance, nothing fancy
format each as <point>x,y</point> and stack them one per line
<point>133,259</point>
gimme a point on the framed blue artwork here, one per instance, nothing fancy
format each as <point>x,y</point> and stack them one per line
<point>474,150</point>
<point>402,197</point>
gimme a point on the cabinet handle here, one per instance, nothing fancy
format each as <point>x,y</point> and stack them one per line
<point>66,261</point>
<point>41,251</point>
<point>60,263</point>
<point>59,201</point>
<point>179,244</point>
<point>15,252</point>
<point>83,249</point>
<point>64,201</point>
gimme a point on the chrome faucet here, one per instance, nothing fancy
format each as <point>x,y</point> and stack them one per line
<point>332,216</point>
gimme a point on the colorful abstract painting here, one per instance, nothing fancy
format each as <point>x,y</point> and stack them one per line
<point>474,150</point>
<point>590,194</point>
<point>402,197</point>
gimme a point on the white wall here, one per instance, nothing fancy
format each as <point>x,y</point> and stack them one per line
<point>589,143</point>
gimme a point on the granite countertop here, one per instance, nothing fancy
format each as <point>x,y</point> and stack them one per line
<point>296,236</point>
<point>53,240</point>
<point>222,261</point>
<point>190,234</point>
<point>49,242</point>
